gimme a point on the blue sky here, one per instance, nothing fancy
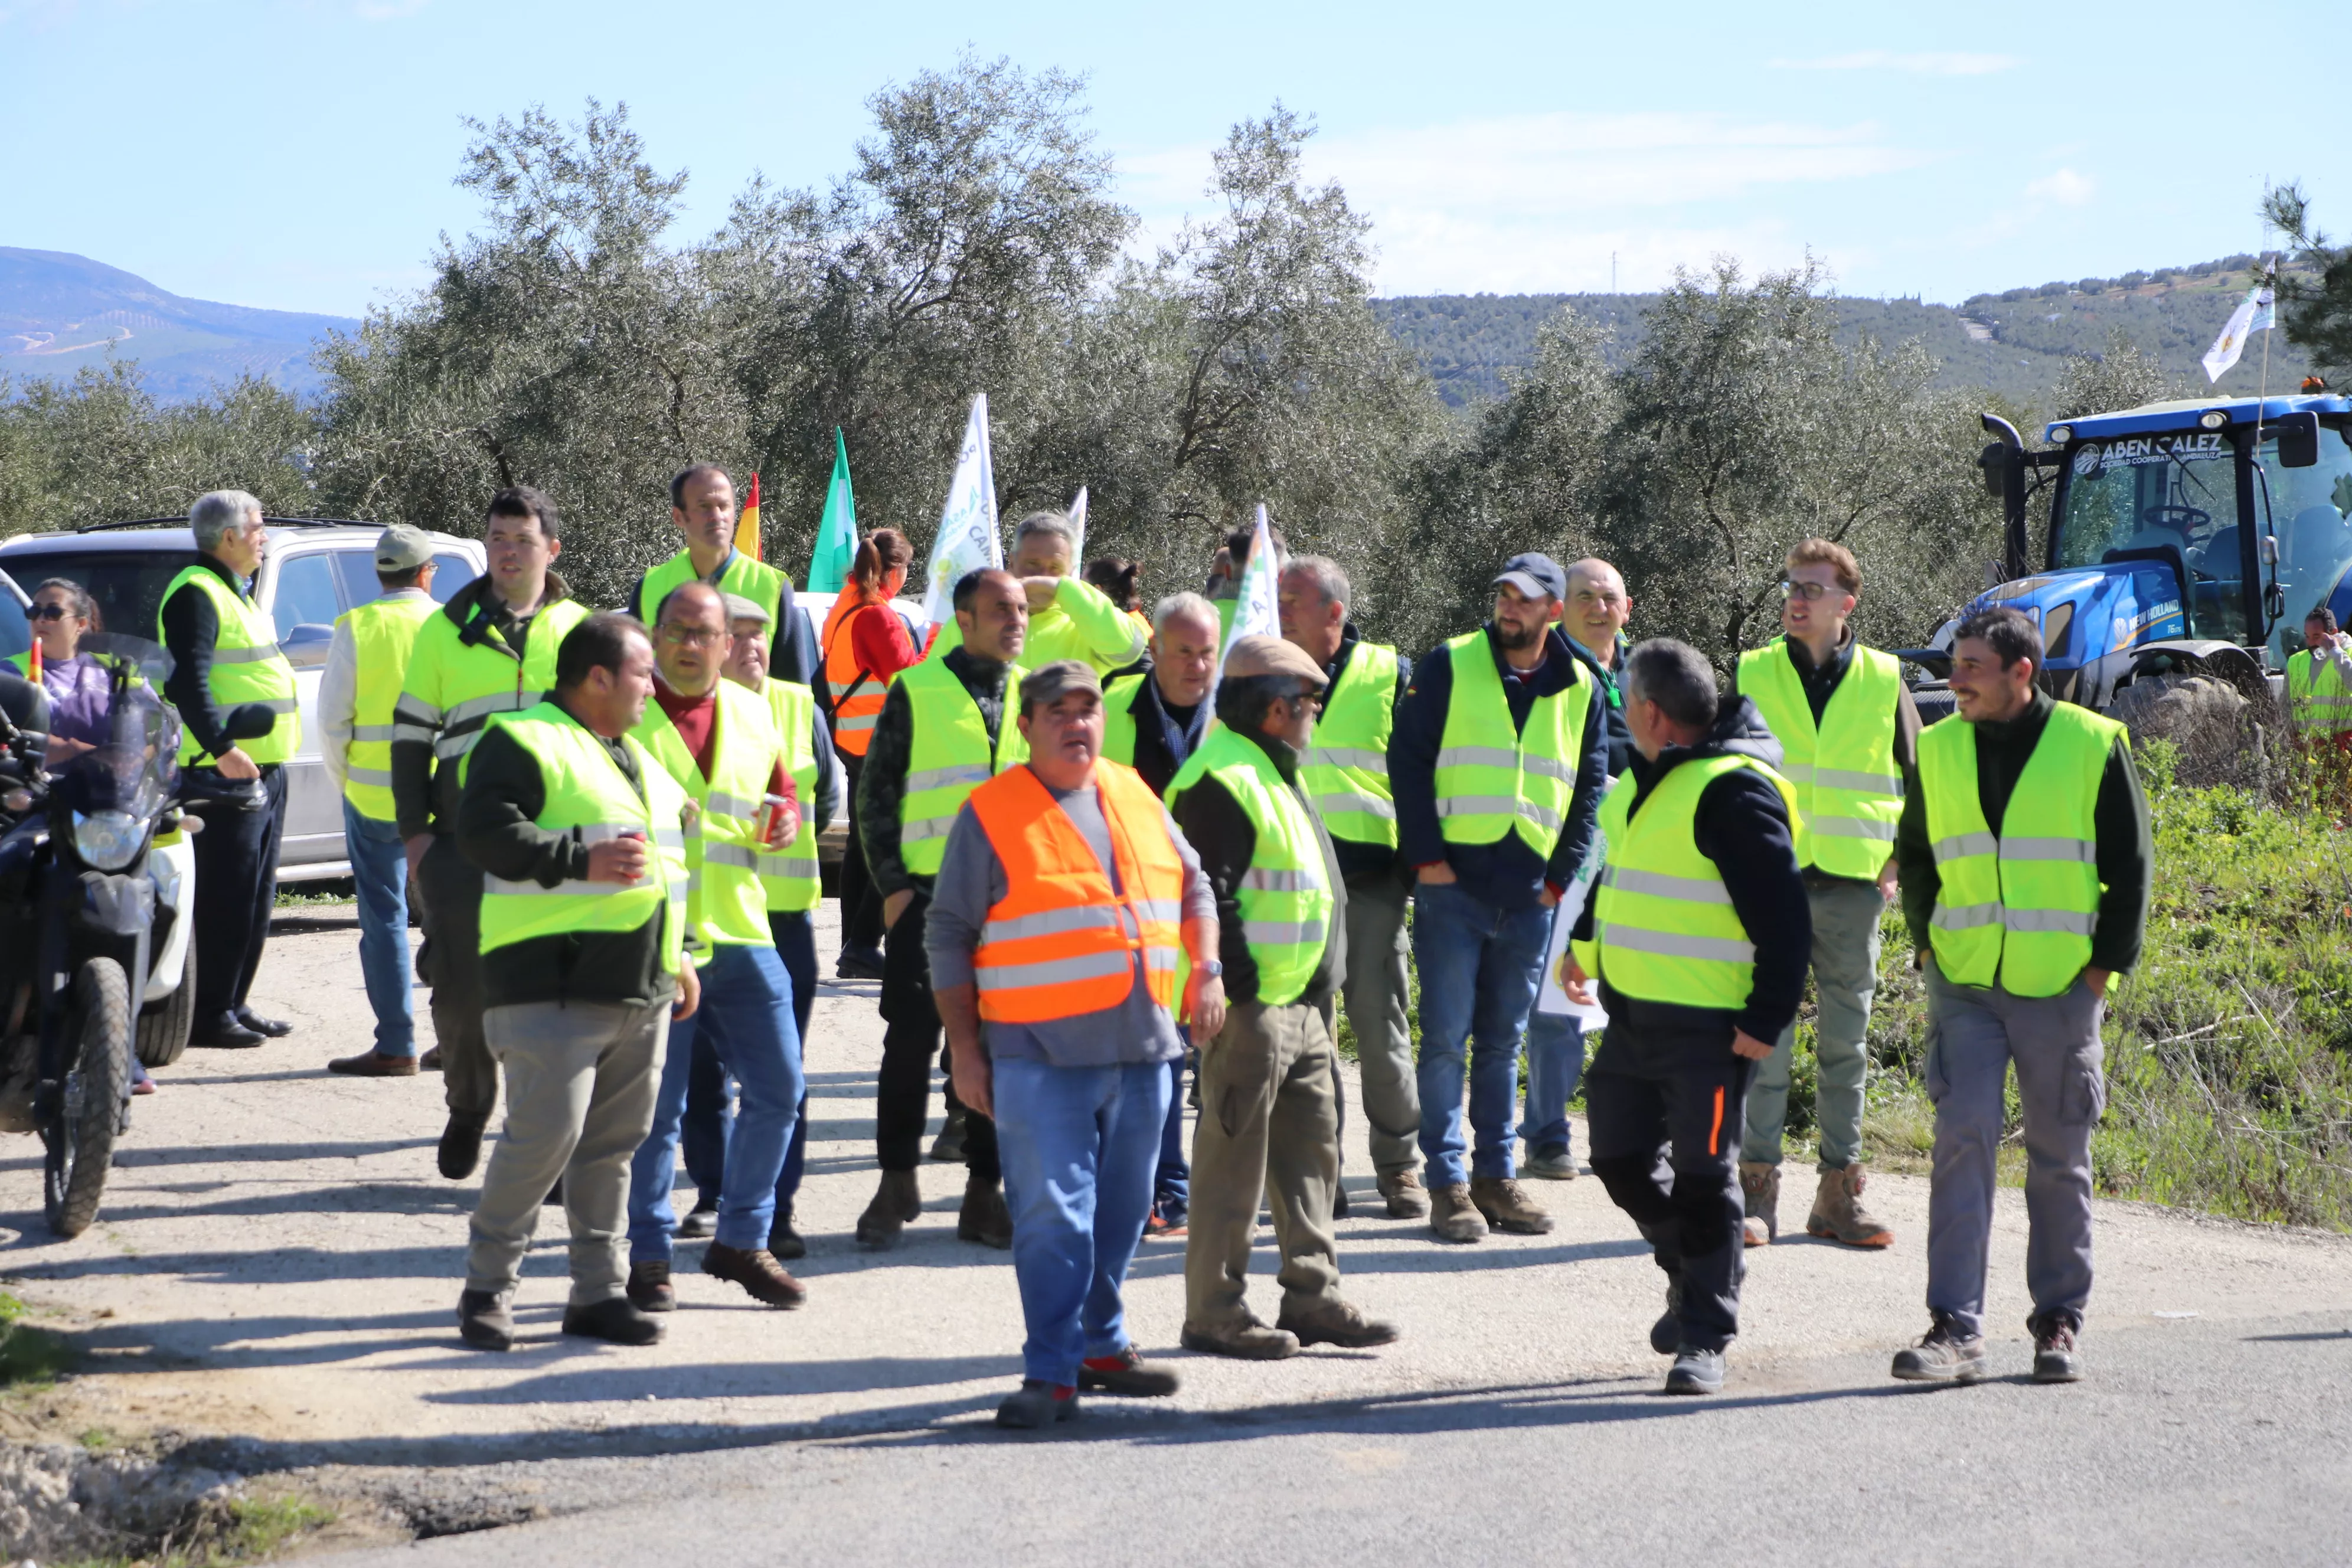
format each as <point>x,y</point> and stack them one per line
<point>297,153</point>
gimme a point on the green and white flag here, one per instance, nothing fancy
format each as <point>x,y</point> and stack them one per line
<point>1078,531</point>
<point>967,540</point>
<point>836,532</point>
<point>1258,606</point>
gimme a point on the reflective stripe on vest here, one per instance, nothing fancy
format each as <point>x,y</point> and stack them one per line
<point>587,795</point>
<point>1491,780</point>
<point>1847,785</point>
<point>788,876</point>
<point>1062,942</point>
<point>455,687</point>
<point>246,667</point>
<point>949,755</point>
<point>1345,774</point>
<point>2018,907</point>
<point>853,693</point>
<point>728,905</point>
<point>1664,925</point>
<point>382,635</point>
<point>2315,692</point>
<point>1285,902</point>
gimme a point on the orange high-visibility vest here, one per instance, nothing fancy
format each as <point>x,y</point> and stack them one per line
<point>1061,942</point>
<point>853,693</point>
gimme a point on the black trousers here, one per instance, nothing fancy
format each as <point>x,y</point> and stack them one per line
<point>861,906</point>
<point>236,885</point>
<point>1666,1146</point>
<point>910,1039</point>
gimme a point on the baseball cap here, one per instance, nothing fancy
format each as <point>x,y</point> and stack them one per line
<point>1536,575</point>
<point>401,548</point>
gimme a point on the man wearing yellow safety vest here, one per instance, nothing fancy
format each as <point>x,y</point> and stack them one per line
<point>1269,1124</point>
<point>1152,722</point>
<point>2025,860</point>
<point>789,876</point>
<point>1497,762</point>
<point>941,734</point>
<point>1697,933</point>
<point>366,663</point>
<point>490,650</point>
<point>1069,617</point>
<point>1065,895</point>
<point>582,839</point>
<point>702,507</point>
<point>1345,775</point>
<point>720,743</point>
<point>2319,683</point>
<point>1848,733</point>
<point>239,725</point>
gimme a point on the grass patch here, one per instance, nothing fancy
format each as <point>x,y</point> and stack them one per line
<point>31,1359</point>
<point>310,895</point>
<point>248,1530</point>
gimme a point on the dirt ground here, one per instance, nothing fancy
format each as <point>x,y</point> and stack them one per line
<point>277,1260</point>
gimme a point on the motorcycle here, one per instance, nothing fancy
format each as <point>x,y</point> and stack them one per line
<point>80,875</point>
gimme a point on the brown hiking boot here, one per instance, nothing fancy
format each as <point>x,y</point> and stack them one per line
<point>1452,1217</point>
<point>897,1202</point>
<point>762,1278</point>
<point>1838,1213</point>
<point>1507,1207</point>
<point>983,1217</point>
<point>1333,1321</point>
<point>1248,1340</point>
<point>1759,1185</point>
<point>373,1064</point>
<point>649,1289</point>
<point>1404,1194</point>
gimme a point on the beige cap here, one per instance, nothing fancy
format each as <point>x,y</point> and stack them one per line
<point>401,548</point>
<point>739,609</point>
<point>1272,655</point>
<point>1047,683</point>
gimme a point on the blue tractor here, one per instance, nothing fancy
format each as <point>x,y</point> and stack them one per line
<point>2185,538</point>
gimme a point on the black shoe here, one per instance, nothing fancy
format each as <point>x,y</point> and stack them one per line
<point>483,1320</point>
<point>1037,1404</point>
<point>272,1027</point>
<point>1696,1371</point>
<point>947,1147</point>
<point>1127,1373</point>
<point>701,1220</point>
<point>785,1242</point>
<point>461,1145</point>
<point>650,1289</point>
<point>858,963</point>
<point>618,1320</point>
<point>222,1032</point>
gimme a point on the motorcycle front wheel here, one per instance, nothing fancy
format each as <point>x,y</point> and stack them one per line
<point>80,1135</point>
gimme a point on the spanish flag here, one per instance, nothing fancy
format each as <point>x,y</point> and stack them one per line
<point>747,526</point>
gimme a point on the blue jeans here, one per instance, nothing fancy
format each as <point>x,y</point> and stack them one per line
<point>746,1012</point>
<point>709,1117</point>
<point>1555,1066</point>
<point>1479,965</point>
<point>380,871</point>
<point>1171,1184</point>
<point>1079,1145</point>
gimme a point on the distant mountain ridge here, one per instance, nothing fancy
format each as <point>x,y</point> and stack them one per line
<point>59,312</point>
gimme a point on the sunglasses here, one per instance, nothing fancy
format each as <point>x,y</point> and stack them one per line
<point>1808,592</point>
<point>51,612</point>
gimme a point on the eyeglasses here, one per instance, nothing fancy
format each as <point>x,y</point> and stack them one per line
<point>51,612</point>
<point>1810,593</point>
<point>679,637</point>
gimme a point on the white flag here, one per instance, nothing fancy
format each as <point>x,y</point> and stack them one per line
<point>1078,531</point>
<point>1257,607</point>
<point>967,539</point>
<point>2256,313</point>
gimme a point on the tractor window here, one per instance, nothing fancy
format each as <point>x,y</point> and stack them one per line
<point>2172,496</point>
<point>2309,506</point>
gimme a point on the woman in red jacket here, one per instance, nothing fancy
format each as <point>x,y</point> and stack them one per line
<point>865,645</point>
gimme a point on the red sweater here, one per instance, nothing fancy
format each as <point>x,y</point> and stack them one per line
<point>697,722</point>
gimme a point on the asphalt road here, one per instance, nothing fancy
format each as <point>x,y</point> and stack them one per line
<point>2194,1441</point>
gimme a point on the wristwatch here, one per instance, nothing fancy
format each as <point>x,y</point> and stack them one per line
<point>1214,968</point>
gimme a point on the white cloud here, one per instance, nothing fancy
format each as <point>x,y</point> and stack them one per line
<point>1542,201</point>
<point>2064,186</point>
<point>1932,64</point>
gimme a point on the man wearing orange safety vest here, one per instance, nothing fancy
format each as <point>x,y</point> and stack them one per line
<point>1056,919</point>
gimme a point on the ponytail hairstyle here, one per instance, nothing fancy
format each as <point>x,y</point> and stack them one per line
<point>1116,578</point>
<point>879,553</point>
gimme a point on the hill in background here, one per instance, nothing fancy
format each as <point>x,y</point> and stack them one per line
<point>2015,343</point>
<point>59,312</point>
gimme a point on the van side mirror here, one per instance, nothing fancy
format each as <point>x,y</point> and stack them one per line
<point>2298,440</point>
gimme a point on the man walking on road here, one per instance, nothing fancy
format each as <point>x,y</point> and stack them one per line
<point>2025,857</point>
<point>1594,619</point>
<point>1344,774</point>
<point>1069,617</point>
<point>1063,895</point>
<point>719,743</point>
<point>941,734</point>
<point>582,839</point>
<point>1154,722</point>
<point>491,649</point>
<point>366,664</point>
<point>239,726</point>
<point>702,507</point>
<point>1269,1103</point>
<point>1697,934</point>
<point>1848,733</point>
<point>1497,764</point>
